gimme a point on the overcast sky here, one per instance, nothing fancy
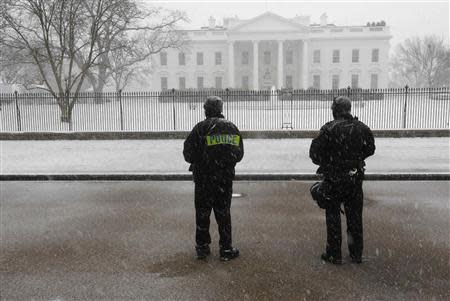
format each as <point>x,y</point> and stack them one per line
<point>405,18</point>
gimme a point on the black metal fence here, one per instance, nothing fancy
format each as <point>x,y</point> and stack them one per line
<point>249,110</point>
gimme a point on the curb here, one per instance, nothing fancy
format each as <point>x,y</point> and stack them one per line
<point>275,134</point>
<point>238,177</point>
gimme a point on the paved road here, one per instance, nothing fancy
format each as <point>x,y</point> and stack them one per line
<point>134,241</point>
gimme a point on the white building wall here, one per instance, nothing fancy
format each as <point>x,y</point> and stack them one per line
<point>324,38</point>
<point>345,68</point>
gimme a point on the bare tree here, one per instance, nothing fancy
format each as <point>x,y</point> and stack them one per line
<point>422,62</point>
<point>129,39</point>
<point>64,40</point>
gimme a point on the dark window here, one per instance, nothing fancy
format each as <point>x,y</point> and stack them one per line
<point>355,56</point>
<point>218,57</point>
<point>163,83</point>
<point>288,81</point>
<point>316,81</point>
<point>182,83</point>
<point>200,82</point>
<point>335,82</point>
<point>289,57</point>
<point>336,56</point>
<point>355,79</point>
<point>267,57</point>
<point>245,82</point>
<point>163,57</point>
<point>374,81</point>
<point>218,82</point>
<point>375,54</point>
<point>199,58</point>
<point>181,59</point>
<point>316,57</point>
<point>245,58</point>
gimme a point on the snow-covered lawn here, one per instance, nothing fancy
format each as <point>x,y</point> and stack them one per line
<point>396,155</point>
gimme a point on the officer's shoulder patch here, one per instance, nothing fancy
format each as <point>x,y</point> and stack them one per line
<point>217,139</point>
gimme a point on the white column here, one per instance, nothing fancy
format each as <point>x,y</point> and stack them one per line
<point>255,65</point>
<point>231,64</point>
<point>280,64</point>
<point>305,65</point>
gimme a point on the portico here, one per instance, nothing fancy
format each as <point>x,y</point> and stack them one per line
<point>273,63</point>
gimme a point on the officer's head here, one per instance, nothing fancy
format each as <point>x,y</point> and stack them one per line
<point>341,106</point>
<point>213,106</point>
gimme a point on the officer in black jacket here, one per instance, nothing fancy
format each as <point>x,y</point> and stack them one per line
<point>340,150</point>
<point>213,148</point>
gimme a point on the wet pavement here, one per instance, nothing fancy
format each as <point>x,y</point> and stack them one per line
<point>135,241</point>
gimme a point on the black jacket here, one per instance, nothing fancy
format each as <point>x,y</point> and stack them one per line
<point>342,145</point>
<point>213,147</point>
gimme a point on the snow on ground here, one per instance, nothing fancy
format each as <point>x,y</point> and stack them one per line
<point>393,155</point>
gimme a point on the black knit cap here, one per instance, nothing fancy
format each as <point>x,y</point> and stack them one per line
<point>213,106</point>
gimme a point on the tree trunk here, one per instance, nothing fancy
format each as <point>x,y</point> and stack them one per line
<point>66,112</point>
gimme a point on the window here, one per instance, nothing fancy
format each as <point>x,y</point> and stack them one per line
<point>245,58</point>
<point>374,81</point>
<point>375,53</point>
<point>199,58</point>
<point>181,59</point>
<point>289,81</point>
<point>355,83</point>
<point>163,58</point>
<point>289,57</point>
<point>200,82</point>
<point>245,82</point>
<point>335,82</point>
<point>355,56</point>
<point>218,82</point>
<point>316,81</point>
<point>218,58</point>
<point>163,83</point>
<point>267,57</point>
<point>335,56</point>
<point>316,57</point>
<point>182,83</point>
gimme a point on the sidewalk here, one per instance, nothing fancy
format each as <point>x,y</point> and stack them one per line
<point>393,155</point>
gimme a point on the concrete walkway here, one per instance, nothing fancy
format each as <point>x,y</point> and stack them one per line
<point>393,155</point>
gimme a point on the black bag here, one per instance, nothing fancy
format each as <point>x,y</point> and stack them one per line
<point>320,195</point>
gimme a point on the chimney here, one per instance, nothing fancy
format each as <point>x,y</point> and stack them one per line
<point>323,19</point>
<point>212,22</point>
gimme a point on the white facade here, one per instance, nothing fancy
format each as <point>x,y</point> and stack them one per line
<point>271,51</point>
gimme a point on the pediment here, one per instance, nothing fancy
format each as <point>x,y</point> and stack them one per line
<point>268,22</point>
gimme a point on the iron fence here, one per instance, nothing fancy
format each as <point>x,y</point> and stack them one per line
<point>250,110</point>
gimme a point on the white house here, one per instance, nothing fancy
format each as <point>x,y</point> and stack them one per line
<point>272,51</point>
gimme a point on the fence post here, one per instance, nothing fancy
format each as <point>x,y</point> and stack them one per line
<point>404,106</point>
<point>173,109</point>
<point>226,100</point>
<point>69,112</point>
<point>19,121</point>
<point>121,109</point>
<point>348,91</point>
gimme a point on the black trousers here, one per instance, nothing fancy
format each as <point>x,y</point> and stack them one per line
<point>351,195</point>
<point>213,193</point>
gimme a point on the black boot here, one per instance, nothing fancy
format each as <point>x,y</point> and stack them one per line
<point>202,251</point>
<point>331,259</point>
<point>355,259</point>
<point>228,254</point>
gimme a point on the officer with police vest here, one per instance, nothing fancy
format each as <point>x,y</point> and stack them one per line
<point>340,150</point>
<point>213,148</point>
